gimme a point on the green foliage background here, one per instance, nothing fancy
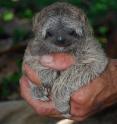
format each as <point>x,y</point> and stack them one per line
<point>97,12</point>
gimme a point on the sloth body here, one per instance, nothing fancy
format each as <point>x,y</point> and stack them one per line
<point>63,28</point>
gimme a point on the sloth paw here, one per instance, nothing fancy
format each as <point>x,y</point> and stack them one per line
<point>40,92</point>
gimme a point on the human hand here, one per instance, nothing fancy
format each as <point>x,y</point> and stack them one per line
<point>100,93</point>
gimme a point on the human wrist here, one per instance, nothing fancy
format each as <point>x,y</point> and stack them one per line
<point>112,84</point>
<point>113,73</point>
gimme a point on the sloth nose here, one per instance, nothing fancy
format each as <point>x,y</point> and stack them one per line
<point>61,41</point>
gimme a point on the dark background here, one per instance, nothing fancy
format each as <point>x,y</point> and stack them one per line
<point>15,30</point>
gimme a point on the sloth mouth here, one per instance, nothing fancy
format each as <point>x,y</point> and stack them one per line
<point>64,46</point>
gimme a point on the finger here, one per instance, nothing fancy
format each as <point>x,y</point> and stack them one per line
<point>87,94</point>
<point>58,61</point>
<point>32,75</point>
<point>84,101</point>
<point>79,111</point>
<point>42,108</point>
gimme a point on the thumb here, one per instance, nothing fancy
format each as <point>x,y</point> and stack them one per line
<point>58,61</point>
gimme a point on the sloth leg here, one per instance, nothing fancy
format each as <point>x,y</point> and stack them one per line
<point>61,98</point>
<point>69,81</point>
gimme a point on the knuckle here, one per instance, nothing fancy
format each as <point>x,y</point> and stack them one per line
<point>80,97</point>
<point>81,100</point>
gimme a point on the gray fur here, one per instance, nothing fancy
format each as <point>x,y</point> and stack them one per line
<point>91,59</point>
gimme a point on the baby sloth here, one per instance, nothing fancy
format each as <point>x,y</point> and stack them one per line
<point>63,28</point>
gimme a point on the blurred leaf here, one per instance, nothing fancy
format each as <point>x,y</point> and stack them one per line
<point>7,3</point>
<point>19,34</point>
<point>2,31</point>
<point>8,16</point>
<point>27,13</point>
<point>10,83</point>
<point>44,2</point>
<point>75,2</point>
<point>19,64</point>
<point>103,30</point>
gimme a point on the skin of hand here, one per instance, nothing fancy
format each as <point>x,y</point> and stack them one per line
<point>97,95</point>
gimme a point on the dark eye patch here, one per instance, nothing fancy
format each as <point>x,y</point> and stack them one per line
<point>73,33</point>
<point>48,34</point>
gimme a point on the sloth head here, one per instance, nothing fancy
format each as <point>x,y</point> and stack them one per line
<point>60,27</point>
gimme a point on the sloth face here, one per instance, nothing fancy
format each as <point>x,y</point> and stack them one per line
<point>62,32</point>
<point>61,27</point>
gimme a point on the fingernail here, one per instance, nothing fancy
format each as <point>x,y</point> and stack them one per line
<point>46,59</point>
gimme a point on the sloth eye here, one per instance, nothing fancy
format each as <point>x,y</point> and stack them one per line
<point>48,34</point>
<point>73,33</point>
